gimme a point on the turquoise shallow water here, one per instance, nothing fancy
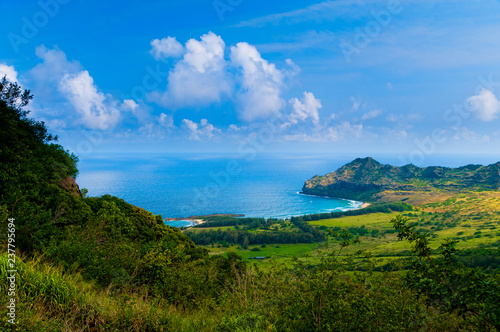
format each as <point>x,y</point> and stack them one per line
<point>179,186</point>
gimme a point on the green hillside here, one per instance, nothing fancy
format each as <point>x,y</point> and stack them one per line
<point>366,179</point>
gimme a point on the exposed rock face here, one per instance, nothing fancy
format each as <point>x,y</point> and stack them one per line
<point>71,186</point>
<point>365,178</point>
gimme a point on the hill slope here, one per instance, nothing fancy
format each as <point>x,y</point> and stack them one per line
<point>107,240</point>
<point>368,180</point>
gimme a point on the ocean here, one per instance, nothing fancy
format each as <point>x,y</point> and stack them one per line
<point>182,185</point>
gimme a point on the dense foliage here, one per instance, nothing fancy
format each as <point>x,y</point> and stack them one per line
<point>108,240</point>
<point>249,231</point>
<point>244,223</point>
<point>447,283</point>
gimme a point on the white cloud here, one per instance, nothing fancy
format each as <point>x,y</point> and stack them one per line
<point>56,124</point>
<point>204,76</point>
<point>261,84</point>
<point>199,131</point>
<point>200,77</point>
<point>302,138</point>
<point>54,66</point>
<point>405,121</point>
<point>371,114</point>
<point>395,133</point>
<point>485,105</point>
<point>166,48</point>
<point>150,130</point>
<point>166,121</point>
<point>8,71</point>
<point>344,130</point>
<point>130,104</point>
<point>207,54</point>
<point>67,92</point>
<point>355,104</point>
<point>306,108</point>
<point>464,133</point>
<point>98,111</point>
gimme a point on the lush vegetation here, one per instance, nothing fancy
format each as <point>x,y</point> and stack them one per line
<point>250,231</point>
<point>101,264</point>
<point>368,180</point>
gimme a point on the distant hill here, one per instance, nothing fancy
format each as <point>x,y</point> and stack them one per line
<point>366,179</point>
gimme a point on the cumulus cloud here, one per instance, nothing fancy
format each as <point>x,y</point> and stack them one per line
<point>203,76</point>
<point>46,75</point>
<point>98,111</point>
<point>151,130</point>
<point>371,114</point>
<point>261,84</point>
<point>485,105</point>
<point>8,71</point>
<point>344,130</point>
<point>199,131</point>
<point>130,104</point>
<point>207,54</point>
<point>166,121</point>
<point>306,108</point>
<point>71,93</point>
<point>199,78</point>
<point>166,48</point>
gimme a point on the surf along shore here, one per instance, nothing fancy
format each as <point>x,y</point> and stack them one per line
<point>198,220</point>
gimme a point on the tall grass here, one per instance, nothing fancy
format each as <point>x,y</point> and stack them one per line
<point>50,300</point>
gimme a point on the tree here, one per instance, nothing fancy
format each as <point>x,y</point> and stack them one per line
<point>13,95</point>
<point>245,243</point>
<point>447,283</point>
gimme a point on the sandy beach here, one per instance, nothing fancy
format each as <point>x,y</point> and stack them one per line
<point>197,221</point>
<point>365,205</point>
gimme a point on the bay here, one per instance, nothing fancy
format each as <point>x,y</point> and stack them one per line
<point>184,185</point>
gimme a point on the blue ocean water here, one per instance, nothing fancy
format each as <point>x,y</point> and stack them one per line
<point>179,186</point>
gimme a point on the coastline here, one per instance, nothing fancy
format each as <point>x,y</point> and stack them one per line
<point>197,221</point>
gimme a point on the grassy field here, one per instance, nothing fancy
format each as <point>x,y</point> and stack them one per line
<point>471,218</point>
<point>281,253</point>
<point>211,228</point>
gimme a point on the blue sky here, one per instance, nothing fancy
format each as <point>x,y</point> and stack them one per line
<point>413,77</point>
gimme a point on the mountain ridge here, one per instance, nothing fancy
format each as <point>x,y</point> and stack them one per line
<point>368,180</point>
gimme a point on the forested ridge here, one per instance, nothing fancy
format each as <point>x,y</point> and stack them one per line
<point>366,179</point>
<point>102,264</point>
